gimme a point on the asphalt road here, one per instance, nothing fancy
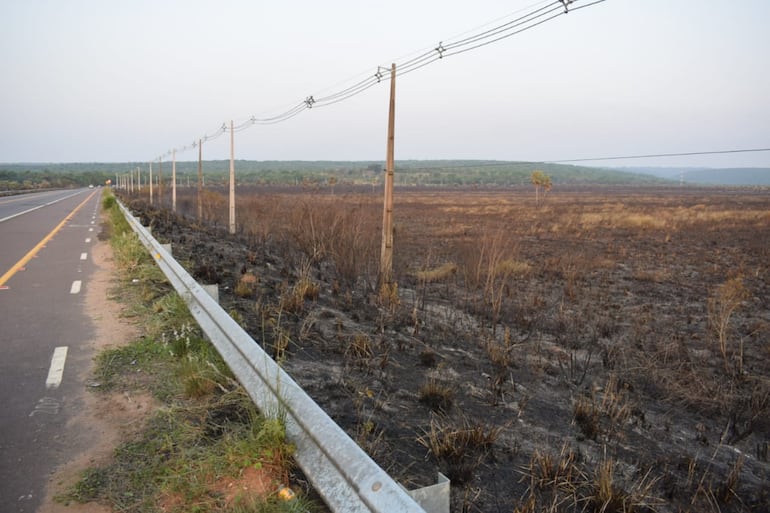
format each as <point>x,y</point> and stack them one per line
<point>45,241</point>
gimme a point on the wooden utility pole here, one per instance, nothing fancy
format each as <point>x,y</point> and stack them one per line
<point>200,180</point>
<point>386,255</point>
<point>232,179</point>
<point>173,181</point>
<point>150,183</point>
<point>160,181</point>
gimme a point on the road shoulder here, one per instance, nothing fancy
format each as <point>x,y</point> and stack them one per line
<point>105,418</point>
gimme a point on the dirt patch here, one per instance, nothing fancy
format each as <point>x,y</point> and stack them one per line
<point>105,419</point>
<point>572,356</point>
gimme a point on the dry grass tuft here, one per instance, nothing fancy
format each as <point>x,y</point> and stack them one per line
<point>460,449</point>
<point>440,273</point>
<point>246,285</point>
<point>564,482</point>
<point>511,267</point>
<point>436,395</point>
<point>361,347</point>
<point>305,289</point>
<point>723,303</point>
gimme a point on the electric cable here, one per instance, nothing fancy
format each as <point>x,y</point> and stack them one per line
<point>659,155</point>
<point>542,12</point>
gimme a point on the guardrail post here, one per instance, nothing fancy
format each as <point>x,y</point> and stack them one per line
<point>433,498</point>
<point>213,291</point>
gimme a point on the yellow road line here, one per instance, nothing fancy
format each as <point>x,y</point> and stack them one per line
<point>26,258</point>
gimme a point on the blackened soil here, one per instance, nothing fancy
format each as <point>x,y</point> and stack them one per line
<point>570,361</point>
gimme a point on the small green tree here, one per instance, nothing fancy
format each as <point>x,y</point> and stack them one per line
<point>541,181</point>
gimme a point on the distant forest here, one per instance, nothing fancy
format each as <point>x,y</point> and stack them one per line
<point>15,177</point>
<point>408,172</point>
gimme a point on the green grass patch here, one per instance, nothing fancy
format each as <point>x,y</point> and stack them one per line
<point>186,452</point>
<point>206,433</point>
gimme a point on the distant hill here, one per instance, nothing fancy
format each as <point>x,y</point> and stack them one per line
<point>706,176</point>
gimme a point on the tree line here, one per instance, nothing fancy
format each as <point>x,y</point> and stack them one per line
<point>408,172</point>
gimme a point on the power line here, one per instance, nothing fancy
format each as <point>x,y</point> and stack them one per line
<point>452,47</point>
<point>507,163</point>
<point>656,155</point>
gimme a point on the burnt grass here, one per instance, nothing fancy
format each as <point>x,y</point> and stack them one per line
<point>607,349</point>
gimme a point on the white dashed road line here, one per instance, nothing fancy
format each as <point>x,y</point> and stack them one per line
<point>83,256</point>
<point>75,289</point>
<point>56,371</point>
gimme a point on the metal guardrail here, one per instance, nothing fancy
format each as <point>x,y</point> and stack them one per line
<point>340,471</point>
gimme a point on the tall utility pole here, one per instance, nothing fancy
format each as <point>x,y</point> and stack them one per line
<point>160,181</point>
<point>200,180</point>
<point>150,183</point>
<point>173,181</point>
<point>232,179</point>
<point>386,255</point>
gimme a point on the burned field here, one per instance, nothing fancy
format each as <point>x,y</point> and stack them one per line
<point>607,349</point>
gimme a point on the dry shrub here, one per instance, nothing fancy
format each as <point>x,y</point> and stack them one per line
<point>487,265</point>
<point>305,289</point>
<point>307,226</point>
<point>722,304</point>
<point>214,206</point>
<point>256,214</point>
<point>336,231</point>
<point>388,296</point>
<point>501,352</point>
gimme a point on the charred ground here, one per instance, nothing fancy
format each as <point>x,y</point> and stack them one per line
<point>603,350</point>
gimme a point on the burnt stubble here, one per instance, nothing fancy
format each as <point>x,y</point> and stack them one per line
<point>604,349</point>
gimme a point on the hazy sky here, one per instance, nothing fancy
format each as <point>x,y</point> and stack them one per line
<point>100,80</point>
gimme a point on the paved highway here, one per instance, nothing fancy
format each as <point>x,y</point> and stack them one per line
<point>45,242</point>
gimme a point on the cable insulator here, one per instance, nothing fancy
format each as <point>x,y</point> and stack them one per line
<point>440,50</point>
